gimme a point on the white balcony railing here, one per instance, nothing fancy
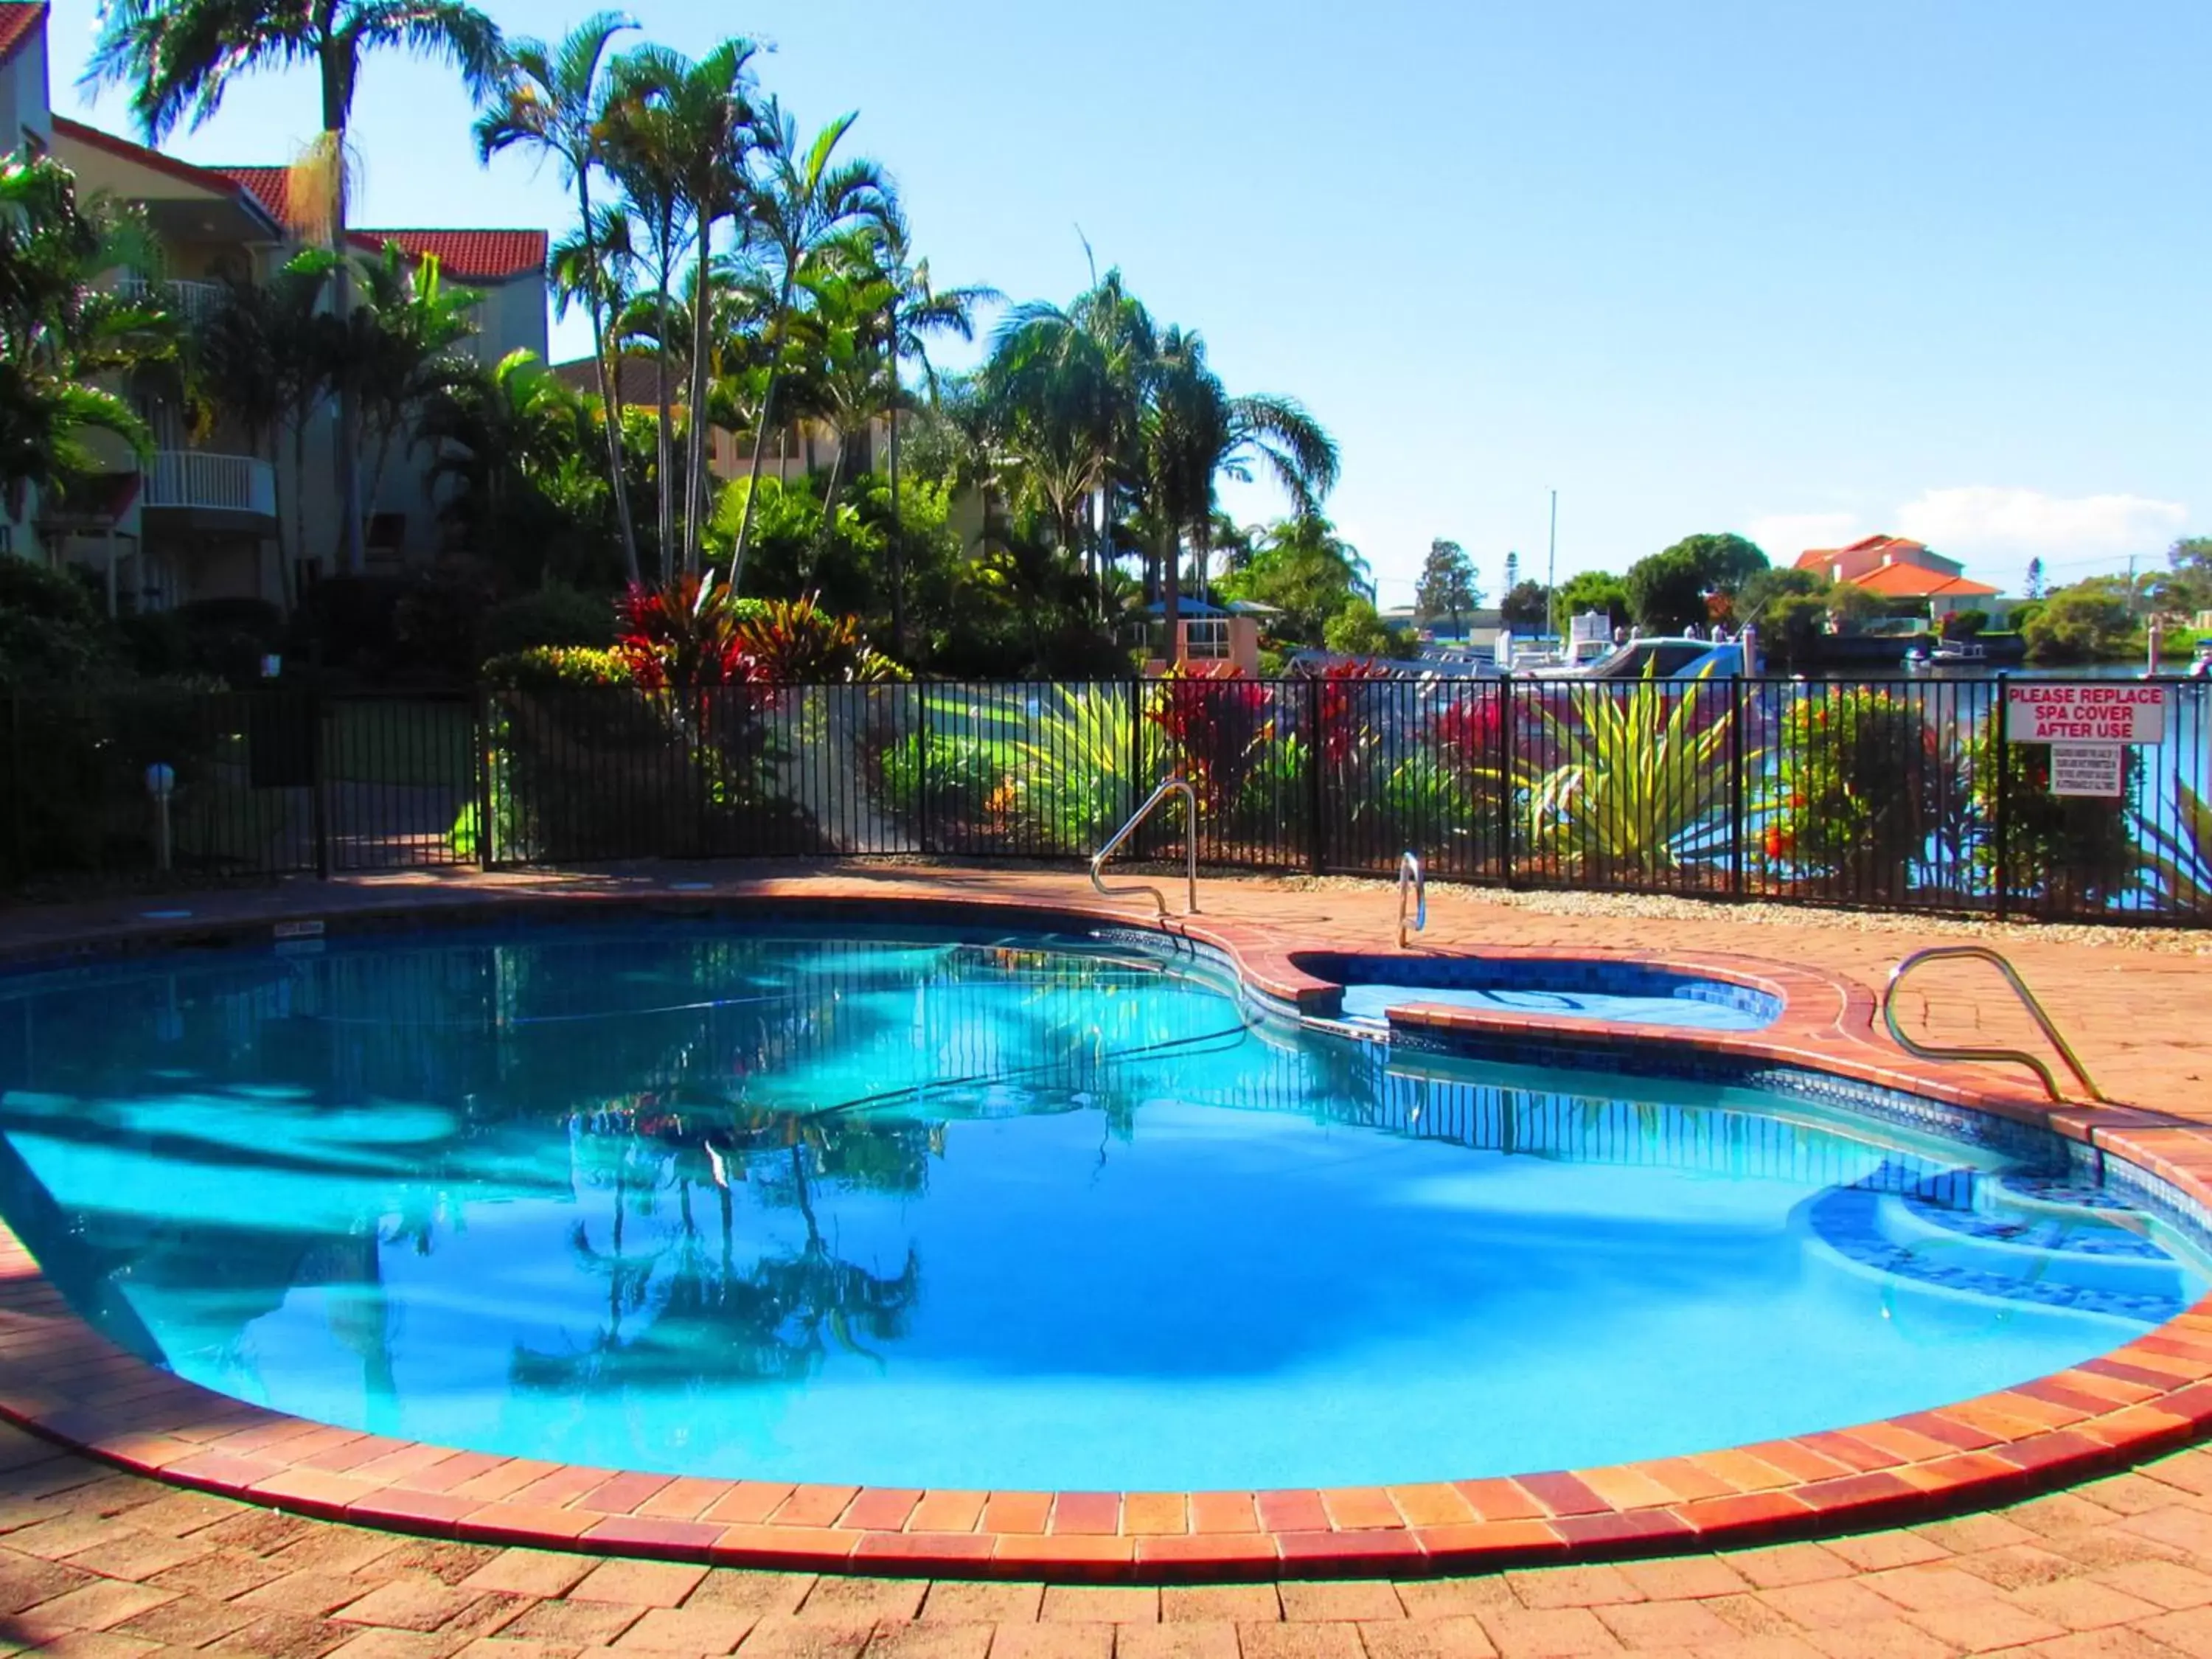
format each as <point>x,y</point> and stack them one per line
<point>194,301</point>
<point>232,483</point>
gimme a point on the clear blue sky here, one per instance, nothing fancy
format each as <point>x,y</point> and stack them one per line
<point>1932,266</point>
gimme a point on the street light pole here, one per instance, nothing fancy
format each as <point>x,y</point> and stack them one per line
<point>1552,573</point>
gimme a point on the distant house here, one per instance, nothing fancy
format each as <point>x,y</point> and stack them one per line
<point>1899,569</point>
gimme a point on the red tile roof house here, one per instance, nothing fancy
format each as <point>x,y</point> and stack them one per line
<point>1898,567</point>
<point>210,517</point>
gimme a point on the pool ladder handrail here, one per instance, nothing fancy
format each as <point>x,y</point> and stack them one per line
<point>1410,873</point>
<point>2008,1056</point>
<point>1171,787</point>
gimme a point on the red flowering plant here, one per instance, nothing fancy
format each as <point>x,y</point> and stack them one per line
<point>687,635</point>
<point>1466,731</point>
<point>1212,723</point>
<point>797,643</point>
<point>1346,731</point>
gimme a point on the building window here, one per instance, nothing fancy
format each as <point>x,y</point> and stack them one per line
<point>1206,640</point>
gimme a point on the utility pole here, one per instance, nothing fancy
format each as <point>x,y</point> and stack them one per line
<point>1552,573</point>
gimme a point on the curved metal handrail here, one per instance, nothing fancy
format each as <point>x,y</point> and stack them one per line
<point>2012,1056</point>
<point>1172,786</point>
<point>1409,869</point>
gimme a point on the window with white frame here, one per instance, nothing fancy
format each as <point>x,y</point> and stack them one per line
<point>1206,640</point>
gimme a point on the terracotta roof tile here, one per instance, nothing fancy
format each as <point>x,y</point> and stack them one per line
<point>215,180</point>
<point>265,185</point>
<point>639,385</point>
<point>18,24</point>
<point>468,255</point>
<point>1911,581</point>
<point>480,256</point>
<point>1899,547</point>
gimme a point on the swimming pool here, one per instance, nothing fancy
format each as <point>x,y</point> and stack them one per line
<point>835,1203</point>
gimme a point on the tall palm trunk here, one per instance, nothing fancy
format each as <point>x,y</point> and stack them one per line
<point>300,480</point>
<point>761,425</point>
<point>1171,591</point>
<point>898,517</point>
<point>667,451</point>
<point>695,469</point>
<point>351,507</point>
<point>828,511</point>
<point>610,402</point>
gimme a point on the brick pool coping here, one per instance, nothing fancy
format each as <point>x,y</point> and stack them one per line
<point>61,1378</point>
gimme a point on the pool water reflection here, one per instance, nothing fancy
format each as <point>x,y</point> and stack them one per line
<point>868,1205</point>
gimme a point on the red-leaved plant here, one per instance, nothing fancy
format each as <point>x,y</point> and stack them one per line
<point>684,637</point>
<point>1210,722</point>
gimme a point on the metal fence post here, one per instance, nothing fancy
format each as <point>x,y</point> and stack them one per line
<point>1316,781</point>
<point>19,858</point>
<point>1505,764</point>
<point>2001,744</point>
<point>1140,786</point>
<point>487,851</point>
<point>319,815</point>
<point>1736,791</point>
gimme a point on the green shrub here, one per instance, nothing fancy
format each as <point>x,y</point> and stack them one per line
<point>1864,782</point>
<point>550,616</point>
<point>2079,624</point>
<point>2074,853</point>
<point>54,631</point>
<point>553,666</point>
<point>220,640</point>
<point>950,781</point>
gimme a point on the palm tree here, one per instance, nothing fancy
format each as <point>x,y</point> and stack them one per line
<point>703,118</point>
<point>600,266</point>
<point>806,202</point>
<point>914,311</point>
<point>397,349</point>
<point>554,102</point>
<point>642,155</point>
<point>1194,433</point>
<point>265,359</point>
<point>839,334</point>
<point>178,56</point>
<point>1064,393</point>
<point>57,333</point>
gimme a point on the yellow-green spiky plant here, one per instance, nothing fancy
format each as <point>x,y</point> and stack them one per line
<point>1637,773</point>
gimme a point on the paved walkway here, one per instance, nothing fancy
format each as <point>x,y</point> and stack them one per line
<point>95,1562</point>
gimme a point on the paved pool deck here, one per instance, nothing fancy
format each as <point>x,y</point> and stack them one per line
<point>97,1560</point>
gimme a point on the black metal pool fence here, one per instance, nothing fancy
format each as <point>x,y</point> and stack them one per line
<point>1910,794</point>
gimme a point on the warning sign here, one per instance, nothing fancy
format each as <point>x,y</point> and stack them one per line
<point>2086,768</point>
<point>2117,712</point>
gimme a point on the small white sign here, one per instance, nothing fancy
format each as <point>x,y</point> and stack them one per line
<point>2114,711</point>
<point>2087,769</point>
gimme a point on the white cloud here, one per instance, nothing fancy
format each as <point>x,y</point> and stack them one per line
<point>1983,521</point>
<point>1784,536</point>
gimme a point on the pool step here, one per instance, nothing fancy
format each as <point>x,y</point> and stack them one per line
<point>1875,1232</point>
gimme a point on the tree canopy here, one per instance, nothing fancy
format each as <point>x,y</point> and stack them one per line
<point>1448,589</point>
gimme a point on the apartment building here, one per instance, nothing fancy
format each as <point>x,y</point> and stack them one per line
<point>214,513</point>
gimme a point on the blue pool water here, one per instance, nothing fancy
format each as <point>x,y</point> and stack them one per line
<point>861,1206</point>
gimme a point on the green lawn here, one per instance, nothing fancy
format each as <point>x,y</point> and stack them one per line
<point>401,741</point>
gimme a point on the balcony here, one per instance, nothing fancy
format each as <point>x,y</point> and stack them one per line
<point>192,481</point>
<point>193,302</point>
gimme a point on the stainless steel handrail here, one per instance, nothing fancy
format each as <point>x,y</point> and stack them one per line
<point>1172,786</point>
<point>2013,1056</point>
<point>1409,869</point>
